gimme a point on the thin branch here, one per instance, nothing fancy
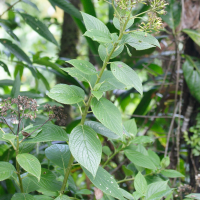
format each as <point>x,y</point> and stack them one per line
<point>154,116</point>
<point>8,126</point>
<point>10,7</point>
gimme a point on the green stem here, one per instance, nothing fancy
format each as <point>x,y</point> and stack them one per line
<point>124,180</point>
<point>71,160</point>
<point>110,158</point>
<point>89,101</point>
<point>18,167</point>
<point>10,8</point>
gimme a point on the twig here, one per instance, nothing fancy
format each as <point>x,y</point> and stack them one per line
<point>119,166</point>
<point>8,125</point>
<point>170,129</point>
<point>9,8</point>
<point>154,116</point>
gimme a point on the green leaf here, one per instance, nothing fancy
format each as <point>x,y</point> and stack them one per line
<point>42,197</point>
<point>170,173</point>
<point>49,132</point>
<point>161,194</point>
<point>106,150</point>
<point>165,162</point>
<point>8,29</point>
<point>39,27</point>
<point>142,140</point>
<point>86,147</point>
<point>104,51</point>
<point>140,183</point>
<point>101,129</point>
<point>26,147</point>
<point>136,195</point>
<point>108,114</point>
<point>13,48</point>
<point>97,94</point>
<point>29,185</point>
<point>59,154</point>
<point>126,75</point>
<point>30,164</point>
<point>91,79</point>
<point>139,159</point>
<point>83,65</point>
<point>22,196</point>
<point>154,157</point>
<point>156,187</point>
<point>6,170</point>
<point>193,34</point>
<point>67,7</point>
<point>62,197</point>
<point>173,14</point>
<point>16,86</point>
<point>48,181</point>
<point>105,182</point>
<point>127,194</point>
<point>191,71</point>
<point>194,196</point>
<point>31,4</point>
<point>116,23</point>
<point>5,67</point>
<point>66,94</point>
<point>84,191</point>
<point>127,171</point>
<point>94,23</point>
<point>99,36</point>
<point>131,126</point>
<point>140,40</point>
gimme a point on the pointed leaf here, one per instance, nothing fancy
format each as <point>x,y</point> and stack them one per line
<point>30,164</point>
<point>156,187</point>
<point>16,86</point>
<point>59,154</point>
<point>105,182</point>
<point>99,36</point>
<point>161,194</point>
<point>31,4</point>
<point>108,114</point>
<point>8,29</point>
<point>29,185</point>
<point>126,75</point>
<point>22,196</point>
<point>5,67</point>
<point>139,159</point>
<point>131,126</point>
<point>105,51</point>
<point>67,7</point>
<point>154,157</point>
<point>62,197</point>
<point>116,23</point>
<point>49,132</point>
<point>66,94</point>
<point>6,170</point>
<point>94,23</point>
<point>13,48</point>
<point>101,129</point>
<point>86,147</point>
<point>193,34</point>
<point>39,27</point>
<point>191,71</point>
<point>83,65</point>
<point>97,94</point>
<point>140,183</point>
<point>170,173</point>
<point>127,194</point>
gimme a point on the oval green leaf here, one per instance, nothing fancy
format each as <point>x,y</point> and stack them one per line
<point>66,94</point>
<point>83,65</point>
<point>140,183</point>
<point>105,182</point>
<point>170,173</point>
<point>126,75</point>
<point>108,114</point>
<point>140,159</point>
<point>86,147</point>
<point>59,154</point>
<point>30,164</point>
<point>6,170</point>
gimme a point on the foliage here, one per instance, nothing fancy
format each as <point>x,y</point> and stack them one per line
<point>41,164</point>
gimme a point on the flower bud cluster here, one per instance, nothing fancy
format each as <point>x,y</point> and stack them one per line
<point>154,23</point>
<point>158,6</point>
<point>127,4</point>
